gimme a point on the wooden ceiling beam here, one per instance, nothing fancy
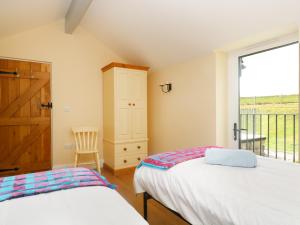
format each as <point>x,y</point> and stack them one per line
<point>75,13</point>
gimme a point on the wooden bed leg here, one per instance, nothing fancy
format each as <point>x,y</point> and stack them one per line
<point>146,197</point>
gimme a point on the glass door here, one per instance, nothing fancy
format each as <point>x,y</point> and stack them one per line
<point>269,102</point>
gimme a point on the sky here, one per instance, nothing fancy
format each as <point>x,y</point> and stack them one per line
<point>274,72</point>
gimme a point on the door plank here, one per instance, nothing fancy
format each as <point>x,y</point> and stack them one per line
<point>25,109</point>
<point>35,102</point>
<point>13,93</point>
<point>4,146</point>
<point>4,99</point>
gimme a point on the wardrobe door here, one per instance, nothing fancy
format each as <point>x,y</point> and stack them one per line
<point>139,106</point>
<point>123,97</point>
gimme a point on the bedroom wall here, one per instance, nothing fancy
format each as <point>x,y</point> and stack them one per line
<point>222,124</point>
<point>76,78</point>
<point>194,113</point>
<point>186,116</point>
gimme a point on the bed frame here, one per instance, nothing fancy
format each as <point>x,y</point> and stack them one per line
<point>149,197</point>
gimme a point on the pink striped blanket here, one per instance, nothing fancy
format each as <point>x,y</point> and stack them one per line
<point>49,181</point>
<point>167,160</point>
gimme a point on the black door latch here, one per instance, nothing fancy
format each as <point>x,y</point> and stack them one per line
<point>47,106</point>
<point>236,130</point>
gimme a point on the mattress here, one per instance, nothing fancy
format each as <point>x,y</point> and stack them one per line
<point>79,206</point>
<point>217,195</point>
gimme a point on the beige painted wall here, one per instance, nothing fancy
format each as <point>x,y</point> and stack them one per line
<point>184,117</point>
<point>76,78</point>
<point>221,98</point>
<point>195,112</point>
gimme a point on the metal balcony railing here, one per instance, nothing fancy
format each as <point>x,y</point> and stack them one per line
<point>270,135</point>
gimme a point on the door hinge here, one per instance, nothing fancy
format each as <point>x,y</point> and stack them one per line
<point>9,169</point>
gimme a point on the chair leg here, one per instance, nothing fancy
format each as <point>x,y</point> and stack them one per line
<point>76,160</point>
<point>98,162</point>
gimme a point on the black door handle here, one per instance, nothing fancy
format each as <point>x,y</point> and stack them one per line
<point>48,105</point>
<point>236,130</point>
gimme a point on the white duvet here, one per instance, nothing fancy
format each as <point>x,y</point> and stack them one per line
<point>218,195</point>
<point>78,206</point>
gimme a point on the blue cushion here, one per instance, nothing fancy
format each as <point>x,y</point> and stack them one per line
<point>231,157</point>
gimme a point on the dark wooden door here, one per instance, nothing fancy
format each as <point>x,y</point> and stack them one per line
<point>25,117</point>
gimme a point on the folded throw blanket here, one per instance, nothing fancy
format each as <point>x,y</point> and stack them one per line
<point>167,160</point>
<point>231,157</point>
<point>49,181</point>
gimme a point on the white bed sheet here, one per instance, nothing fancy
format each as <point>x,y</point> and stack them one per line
<point>78,206</point>
<point>218,195</point>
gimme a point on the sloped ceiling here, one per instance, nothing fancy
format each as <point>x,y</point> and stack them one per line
<point>160,32</point>
<point>163,32</point>
<point>20,15</point>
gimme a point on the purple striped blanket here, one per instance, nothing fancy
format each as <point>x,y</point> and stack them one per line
<point>49,181</point>
<point>167,160</point>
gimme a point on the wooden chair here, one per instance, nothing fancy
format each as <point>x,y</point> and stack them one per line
<point>86,140</point>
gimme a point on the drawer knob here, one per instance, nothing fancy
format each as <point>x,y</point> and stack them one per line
<point>125,161</point>
<point>125,149</point>
<point>129,104</point>
<point>139,159</point>
<point>138,147</point>
<point>133,104</point>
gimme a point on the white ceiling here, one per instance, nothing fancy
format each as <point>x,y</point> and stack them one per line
<point>160,32</point>
<point>20,15</point>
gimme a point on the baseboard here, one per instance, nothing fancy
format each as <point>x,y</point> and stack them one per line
<point>90,165</point>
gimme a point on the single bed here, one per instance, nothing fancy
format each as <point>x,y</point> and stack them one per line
<point>217,195</point>
<point>92,205</point>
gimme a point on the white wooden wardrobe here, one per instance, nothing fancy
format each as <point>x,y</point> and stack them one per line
<point>124,116</point>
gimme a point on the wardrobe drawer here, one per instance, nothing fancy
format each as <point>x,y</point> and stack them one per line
<point>129,160</point>
<point>139,147</point>
<point>122,149</point>
<point>132,148</point>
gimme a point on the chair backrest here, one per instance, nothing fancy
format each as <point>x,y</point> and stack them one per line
<point>86,138</point>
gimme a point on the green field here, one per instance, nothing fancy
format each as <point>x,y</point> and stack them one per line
<point>286,108</point>
<point>280,99</point>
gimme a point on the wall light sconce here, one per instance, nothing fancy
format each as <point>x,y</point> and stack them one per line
<point>165,88</point>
